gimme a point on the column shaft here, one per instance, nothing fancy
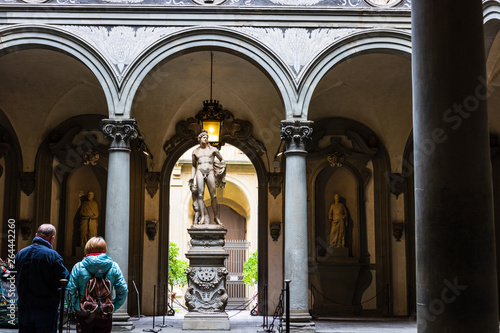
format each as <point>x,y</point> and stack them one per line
<point>455,245</point>
<point>118,197</point>
<point>295,135</point>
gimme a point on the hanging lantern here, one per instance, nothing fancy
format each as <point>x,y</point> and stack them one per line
<point>210,118</point>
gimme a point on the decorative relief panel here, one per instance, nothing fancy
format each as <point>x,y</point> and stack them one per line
<point>121,44</point>
<point>289,43</point>
<point>403,4</point>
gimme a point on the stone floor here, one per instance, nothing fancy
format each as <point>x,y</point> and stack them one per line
<point>242,322</point>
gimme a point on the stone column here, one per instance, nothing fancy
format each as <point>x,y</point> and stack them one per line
<point>295,134</point>
<point>120,133</point>
<point>455,238</point>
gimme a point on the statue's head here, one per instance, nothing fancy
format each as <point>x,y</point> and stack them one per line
<point>336,197</point>
<point>203,133</point>
<point>90,195</point>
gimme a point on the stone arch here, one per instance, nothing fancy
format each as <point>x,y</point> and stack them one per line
<point>380,40</point>
<point>491,19</point>
<point>174,154</point>
<point>210,38</point>
<point>20,37</point>
<point>10,151</point>
<point>364,140</point>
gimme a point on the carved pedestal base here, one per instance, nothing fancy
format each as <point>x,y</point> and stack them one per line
<point>206,296</point>
<point>206,321</point>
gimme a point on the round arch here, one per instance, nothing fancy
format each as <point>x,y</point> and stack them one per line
<point>262,202</point>
<point>10,151</point>
<point>381,165</point>
<point>210,38</point>
<point>386,41</point>
<point>19,37</point>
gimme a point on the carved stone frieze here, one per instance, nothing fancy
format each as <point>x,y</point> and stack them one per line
<point>209,2</point>
<point>121,45</point>
<point>296,134</point>
<point>27,182</point>
<point>289,43</point>
<point>152,180</point>
<point>381,4</point>
<point>120,132</point>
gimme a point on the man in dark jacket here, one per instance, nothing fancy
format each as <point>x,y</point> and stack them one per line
<point>39,269</point>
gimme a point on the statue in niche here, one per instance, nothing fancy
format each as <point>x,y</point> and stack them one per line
<point>206,170</point>
<point>89,217</point>
<point>338,219</point>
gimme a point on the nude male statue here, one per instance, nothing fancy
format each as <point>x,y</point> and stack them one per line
<point>207,171</point>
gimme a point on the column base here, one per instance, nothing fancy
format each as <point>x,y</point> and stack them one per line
<point>302,327</point>
<point>206,321</point>
<point>121,322</point>
<point>301,322</point>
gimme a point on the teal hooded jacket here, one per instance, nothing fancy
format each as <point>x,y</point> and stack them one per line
<point>97,265</point>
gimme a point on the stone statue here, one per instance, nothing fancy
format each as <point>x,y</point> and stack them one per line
<point>206,171</point>
<point>89,215</point>
<point>338,219</point>
<point>194,195</point>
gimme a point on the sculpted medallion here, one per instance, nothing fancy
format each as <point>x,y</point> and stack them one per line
<point>383,3</point>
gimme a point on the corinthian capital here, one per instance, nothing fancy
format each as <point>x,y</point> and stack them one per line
<point>120,132</point>
<point>296,133</point>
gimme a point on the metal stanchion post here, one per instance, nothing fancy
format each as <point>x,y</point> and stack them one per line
<point>287,304</point>
<point>165,299</point>
<point>61,310</point>
<point>266,314</point>
<point>154,314</point>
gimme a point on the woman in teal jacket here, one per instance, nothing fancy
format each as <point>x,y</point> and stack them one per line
<point>97,263</point>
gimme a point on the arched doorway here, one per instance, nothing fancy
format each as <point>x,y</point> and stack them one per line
<point>238,211</point>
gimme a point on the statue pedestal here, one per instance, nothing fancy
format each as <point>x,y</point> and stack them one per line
<point>206,296</point>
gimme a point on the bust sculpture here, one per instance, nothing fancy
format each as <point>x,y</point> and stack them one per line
<point>337,215</point>
<point>206,171</point>
<point>89,217</point>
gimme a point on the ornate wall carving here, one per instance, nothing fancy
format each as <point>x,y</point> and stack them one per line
<point>121,45</point>
<point>289,43</point>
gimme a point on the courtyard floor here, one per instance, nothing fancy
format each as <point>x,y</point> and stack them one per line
<point>242,322</point>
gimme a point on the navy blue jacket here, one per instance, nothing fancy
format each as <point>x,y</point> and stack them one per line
<point>39,269</point>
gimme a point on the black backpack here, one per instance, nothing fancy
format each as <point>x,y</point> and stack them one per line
<point>97,302</point>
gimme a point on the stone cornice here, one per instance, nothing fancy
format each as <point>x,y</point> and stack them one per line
<point>102,15</point>
<point>217,4</point>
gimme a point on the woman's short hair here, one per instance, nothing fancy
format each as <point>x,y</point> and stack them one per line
<point>95,245</point>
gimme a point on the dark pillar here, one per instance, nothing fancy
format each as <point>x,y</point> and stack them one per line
<point>455,237</point>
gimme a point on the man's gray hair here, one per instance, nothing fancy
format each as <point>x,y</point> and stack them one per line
<point>46,230</point>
